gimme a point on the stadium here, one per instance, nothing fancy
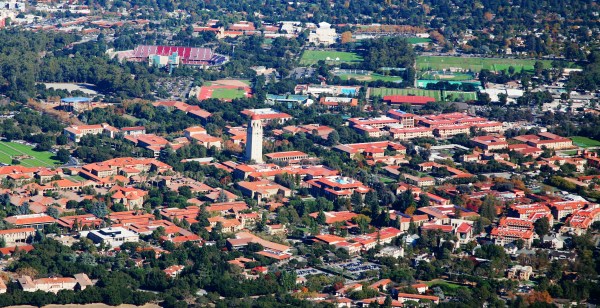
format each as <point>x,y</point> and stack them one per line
<point>185,55</point>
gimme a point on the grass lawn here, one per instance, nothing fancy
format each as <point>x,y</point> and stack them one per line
<point>422,92</point>
<point>371,77</point>
<point>222,93</point>
<point>77,178</point>
<point>450,285</point>
<point>386,180</point>
<point>313,56</point>
<point>418,40</point>
<point>476,64</point>
<point>453,77</point>
<point>585,142</point>
<point>11,149</point>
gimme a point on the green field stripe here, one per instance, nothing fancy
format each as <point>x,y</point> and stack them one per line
<point>30,154</point>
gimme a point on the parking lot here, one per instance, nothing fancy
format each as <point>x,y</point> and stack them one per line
<point>309,271</point>
<point>356,267</point>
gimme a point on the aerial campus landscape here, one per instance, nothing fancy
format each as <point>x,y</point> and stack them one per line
<point>219,153</point>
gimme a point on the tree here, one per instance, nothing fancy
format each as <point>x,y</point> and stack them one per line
<point>362,221</point>
<point>333,138</point>
<point>488,208</point>
<point>538,67</point>
<point>99,209</point>
<point>346,37</point>
<point>356,199</point>
<point>23,209</point>
<point>222,196</point>
<point>185,191</point>
<point>542,226</point>
<point>63,156</point>
<point>321,219</point>
<point>52,212</point>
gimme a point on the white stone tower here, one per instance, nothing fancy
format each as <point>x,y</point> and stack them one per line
<point>254,140</point>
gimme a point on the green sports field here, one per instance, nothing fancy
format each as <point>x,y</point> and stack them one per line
<point>418,40</point>
<point>313,56</point>
<point>8,150</point>
<point>585,142</point>
<point>223,93</point>
<point>447,77</point>
<point>426,63</point>
<point>422,92</point>
<point>370,77</point>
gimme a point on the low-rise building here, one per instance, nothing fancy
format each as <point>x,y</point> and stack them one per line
<point>490,142</point>
<point>287,156</point>
<point>76,132</point>
<point>55,284</point>
<point>36,221</point>
<point>13,237</point>
<point>114,237</point>
<point>519,272</point>
<point>264,189</point>
<point>334,187</point>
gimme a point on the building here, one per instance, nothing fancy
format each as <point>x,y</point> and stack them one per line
<point>334,187</point>
<point>333,102</point>
<point>177,55</point>
<point>450,131</point>
<point>490,143</point>
<point>288,156</point>
<point>370,150</point>
<point>13,237</point>
<point>267,115</point>
<point>411,133</point>
<point>271,250</point>
<point>114,237</point>
<point>406,119</point>
<point>133,130</point>
<point>504,235</point>
<point>173,270</point>
<point>519,272</point>
<point>76,132</point>
<point>324,35</point>
<point>562,209</point>
<point>55,284</point>
<point>418,181</point>
<point>289,100</point>
<point>264,189</point>
<point>333,217</point>
<point>408,99</point>
<point>130,197</point>
<point>547,140</point>
<point>254,139</point>
<point>581,220</point>
<point>404,297</point>
<point>35,221</point>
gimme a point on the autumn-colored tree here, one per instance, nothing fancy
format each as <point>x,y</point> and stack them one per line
<point>338,285</point>
<point>538,296</point>
<point>437,37</point>
<point>346,37</point>
<point>488,16</point>
<point>27,271</point>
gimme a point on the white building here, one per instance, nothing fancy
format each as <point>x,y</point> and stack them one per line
<point>254,138</point>
<point>114,237</point>
<point>323,35</point>
<point>55,284</point>
<point>13,236</point>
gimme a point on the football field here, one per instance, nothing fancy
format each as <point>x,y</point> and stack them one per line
<point>465,96</point>
<point>310,57</point>
<point>10,150</point>
<point>475,64</point>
